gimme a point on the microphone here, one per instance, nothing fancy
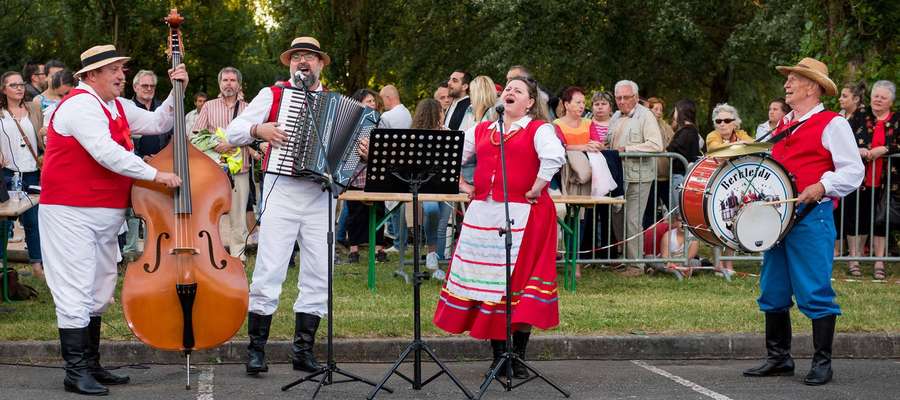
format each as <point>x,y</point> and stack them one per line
<point>500,109</point>
<point>298,76</point>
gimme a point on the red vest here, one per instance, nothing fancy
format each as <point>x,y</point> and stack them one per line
<point>802,153</point>
<point>522,163</point>
<point>71,176</point>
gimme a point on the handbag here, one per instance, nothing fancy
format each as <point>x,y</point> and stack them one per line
<point>16,289</point>
<point>885,212</point>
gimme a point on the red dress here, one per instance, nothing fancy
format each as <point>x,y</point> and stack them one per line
<point>535,299</point>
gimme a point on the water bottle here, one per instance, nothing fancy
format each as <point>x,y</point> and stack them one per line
<point>16,186</point>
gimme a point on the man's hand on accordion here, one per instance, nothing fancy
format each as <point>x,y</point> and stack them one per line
<point>271,133</point>
<point>363,149</point>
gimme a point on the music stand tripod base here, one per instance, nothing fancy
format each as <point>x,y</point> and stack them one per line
<point>415,161</point>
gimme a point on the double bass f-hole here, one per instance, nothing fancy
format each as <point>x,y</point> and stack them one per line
<point>159,239</point>
<point>212,259</point>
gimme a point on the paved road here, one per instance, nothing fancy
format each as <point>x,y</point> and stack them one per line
<point>670,380</point>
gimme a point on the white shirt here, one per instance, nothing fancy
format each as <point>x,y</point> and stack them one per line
<point>762,129</point>
<point>16,155</point>
<point>189,120</point>
<point>468,120</point>
<point>81,118</point>
<point>396,118</point>
<point>839,140</point>
<point>238,131</point>
<point>548,147</point>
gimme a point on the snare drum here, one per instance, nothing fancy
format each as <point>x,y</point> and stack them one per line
<point>714,194</point>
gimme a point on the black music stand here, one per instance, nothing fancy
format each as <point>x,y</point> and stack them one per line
<point>330,369</point>
<point>415,161</point>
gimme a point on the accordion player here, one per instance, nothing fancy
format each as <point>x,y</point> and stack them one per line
<point>323,129</point>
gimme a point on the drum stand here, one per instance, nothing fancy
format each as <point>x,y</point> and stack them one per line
<point>509,356</point>
<point>330,369</point>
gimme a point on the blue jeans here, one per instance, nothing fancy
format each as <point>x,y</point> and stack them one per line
<point>30,218</point>
<point>342,223</point>
<point>437,215</point>
<point>398,223</point>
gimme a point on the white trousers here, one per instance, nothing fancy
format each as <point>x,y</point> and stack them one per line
<point>294,209</point>
<point>79,247</point>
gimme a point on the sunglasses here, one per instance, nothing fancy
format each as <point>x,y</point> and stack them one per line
<point>724,121</point>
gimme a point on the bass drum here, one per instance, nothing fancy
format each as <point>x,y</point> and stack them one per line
<point>714,193</point>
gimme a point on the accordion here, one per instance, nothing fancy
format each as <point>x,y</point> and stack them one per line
<point>323,129</point>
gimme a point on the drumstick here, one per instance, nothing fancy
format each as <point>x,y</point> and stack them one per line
<point>777,202</point>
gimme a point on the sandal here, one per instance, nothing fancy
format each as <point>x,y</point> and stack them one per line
<point>853,269</point>
<point>879,274</point>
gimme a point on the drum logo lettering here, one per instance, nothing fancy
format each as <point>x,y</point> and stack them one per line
<point>740,183</point>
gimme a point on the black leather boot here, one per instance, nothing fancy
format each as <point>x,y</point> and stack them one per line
<point>305,326</point>
<point>520,342</point>
<point>92,354</point>
<point>778,347</point>
<point>823,336</point>
<point>73,342</point>
<point>258,330</point>
<point>498,347</point>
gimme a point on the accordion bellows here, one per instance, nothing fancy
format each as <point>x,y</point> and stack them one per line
<point>323,130</point>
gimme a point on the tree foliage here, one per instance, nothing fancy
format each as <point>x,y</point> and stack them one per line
<point>710,51</point>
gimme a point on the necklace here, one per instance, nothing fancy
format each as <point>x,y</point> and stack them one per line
<point>506,137</point>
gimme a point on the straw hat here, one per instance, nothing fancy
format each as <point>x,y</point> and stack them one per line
<point>815,70</point>
<point>304,43</point>
<point>98,56</point>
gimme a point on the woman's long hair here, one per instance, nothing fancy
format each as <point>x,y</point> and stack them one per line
<point>428,115</point>
<point>4,102</point>
<point>687,113</point>
<point>483,94</point>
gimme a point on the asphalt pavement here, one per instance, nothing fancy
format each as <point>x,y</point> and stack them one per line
<point>625,379</point>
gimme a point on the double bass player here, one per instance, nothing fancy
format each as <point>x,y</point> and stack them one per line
<point>87,177</point>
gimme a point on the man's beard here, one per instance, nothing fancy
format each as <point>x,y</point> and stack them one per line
<point>229,92</point>
<point>310,79</point>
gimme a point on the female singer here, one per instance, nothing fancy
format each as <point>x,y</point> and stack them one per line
<point>473,296</point>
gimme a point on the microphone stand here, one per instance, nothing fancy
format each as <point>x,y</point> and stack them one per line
<point>509,356</point>
<point>328,184</point>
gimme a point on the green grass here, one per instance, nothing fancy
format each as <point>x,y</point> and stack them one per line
<point>605,304</point>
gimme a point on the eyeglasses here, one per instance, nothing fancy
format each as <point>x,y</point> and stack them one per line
<point>16,85</point>
<point>147,86</point>
<point>724,121</point>
<point>304,56</point>
<point>621,98</point>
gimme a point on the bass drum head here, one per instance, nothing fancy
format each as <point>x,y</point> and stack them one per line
<point>745,180</point>
<point>757,227</point>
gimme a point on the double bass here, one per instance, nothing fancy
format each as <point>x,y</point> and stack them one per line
<point>185,292</point>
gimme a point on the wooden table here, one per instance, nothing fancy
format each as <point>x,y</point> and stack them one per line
<point>570,226</point>
<point>8,210</point>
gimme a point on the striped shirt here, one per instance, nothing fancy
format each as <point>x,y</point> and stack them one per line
<point>216,114</point>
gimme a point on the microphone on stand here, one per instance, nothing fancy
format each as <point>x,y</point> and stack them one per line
<point>300,78</point>
<point>500,109</point>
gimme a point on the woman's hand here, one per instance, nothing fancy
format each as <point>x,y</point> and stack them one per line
<point>465,187</point>
<point>532,195</point>
<point>876,153</point>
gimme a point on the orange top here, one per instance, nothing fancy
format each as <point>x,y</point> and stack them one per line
<point>579,135</point>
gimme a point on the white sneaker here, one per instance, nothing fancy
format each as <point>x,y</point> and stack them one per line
<point>439,275</point>
<point>391,249</point>
<point>431,261</point>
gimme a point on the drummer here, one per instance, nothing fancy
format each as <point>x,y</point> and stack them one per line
<point>728,128</point>
<point>817,147</point>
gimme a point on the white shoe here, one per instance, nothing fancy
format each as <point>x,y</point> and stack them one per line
<point>439,275</point>
<point>431,261</point>
<point>391,249</point>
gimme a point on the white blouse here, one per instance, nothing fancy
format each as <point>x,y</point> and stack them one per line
<point>16,156</point>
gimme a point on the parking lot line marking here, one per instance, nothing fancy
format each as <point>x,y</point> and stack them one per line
<point>684,382</point>
<point>205,384</point>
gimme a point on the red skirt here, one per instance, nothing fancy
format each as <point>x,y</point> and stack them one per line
<point>535,298</point>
